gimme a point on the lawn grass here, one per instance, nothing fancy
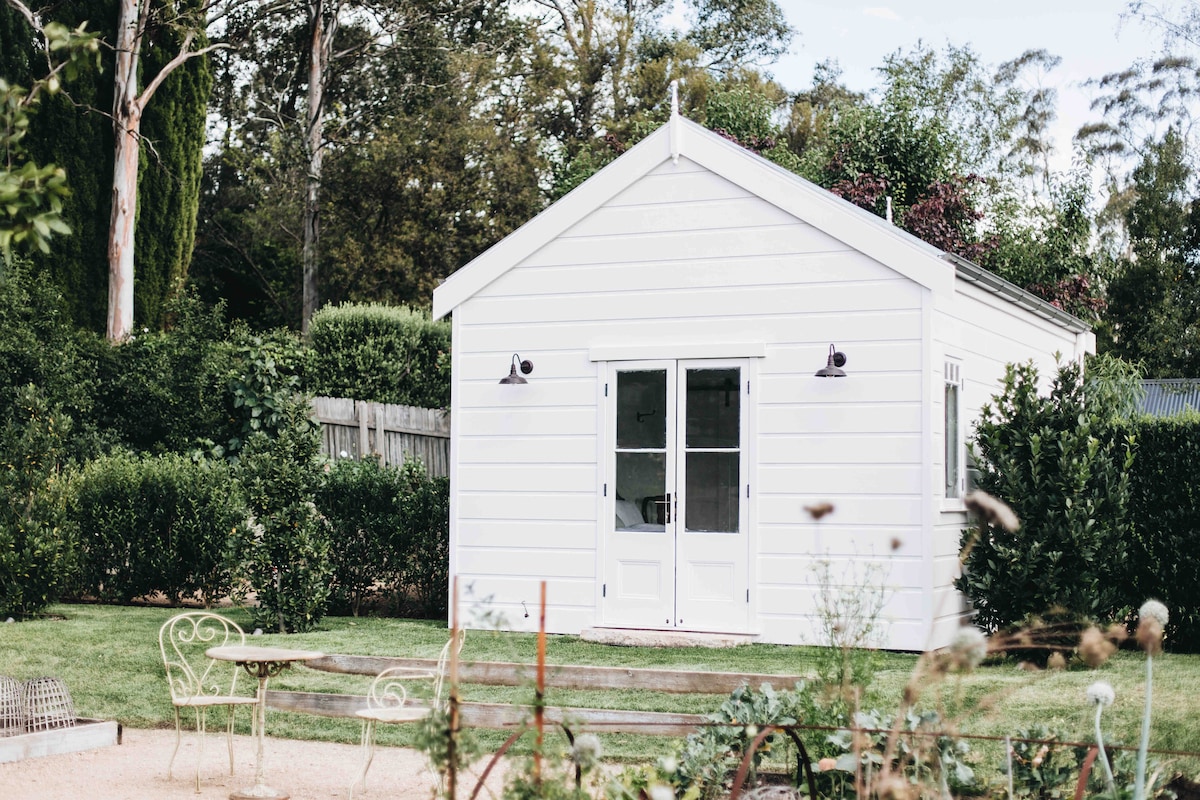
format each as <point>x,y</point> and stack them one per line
<point>108,656</point>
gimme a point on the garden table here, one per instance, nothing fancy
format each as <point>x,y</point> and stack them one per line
<point>262,663</point>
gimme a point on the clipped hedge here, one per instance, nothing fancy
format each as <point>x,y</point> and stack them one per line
<point>390,534</point>
<point>384,354</point>
<point>1165,511</point>
<point>155,524</point>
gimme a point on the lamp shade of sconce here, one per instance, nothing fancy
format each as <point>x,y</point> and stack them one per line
<point>833,367</point>
<point>512,376</point>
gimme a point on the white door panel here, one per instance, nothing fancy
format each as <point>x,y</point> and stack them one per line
<point>676,554</point>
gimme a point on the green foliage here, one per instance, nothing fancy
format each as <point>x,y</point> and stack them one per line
<point>380,353</point>
<point>150,524</point>
<point>1042,771</point>
<point>1056,463</point>
<point>707,758</point>
<point>165,391</point>
<point>1165,509</point>
<point>362,502</point>
<point>35,548</point>
<point>285,551</point>
<point>266,377</point>
<point>1154,299</point>
<point>169,168</point>
<point>31,196</point>
<point>929,758</point>
<point>38,345</point>
<point>425,569</point>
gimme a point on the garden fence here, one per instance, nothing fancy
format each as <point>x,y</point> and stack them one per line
<point>389,432</point>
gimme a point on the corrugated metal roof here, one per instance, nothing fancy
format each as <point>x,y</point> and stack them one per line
<point>1167,396</point>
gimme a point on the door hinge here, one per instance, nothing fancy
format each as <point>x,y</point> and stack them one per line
<point>604,590</point>
<point>606,390</point>
<point>747,491</point>
<point>747,388</point>
<point>606,490</point>
<point>747,595</point>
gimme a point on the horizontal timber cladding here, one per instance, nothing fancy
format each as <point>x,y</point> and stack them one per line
<point>393,433</point>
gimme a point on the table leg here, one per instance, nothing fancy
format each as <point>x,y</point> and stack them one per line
<point>260,788</point>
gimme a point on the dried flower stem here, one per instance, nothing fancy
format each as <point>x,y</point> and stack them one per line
<point>1139,780</point>
<point>1108,773</point>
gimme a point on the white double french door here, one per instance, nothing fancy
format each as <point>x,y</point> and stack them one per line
<point>676,543</point>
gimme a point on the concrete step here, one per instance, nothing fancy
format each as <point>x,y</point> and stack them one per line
<point>637,637</point>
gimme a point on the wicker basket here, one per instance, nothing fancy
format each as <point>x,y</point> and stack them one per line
<point>48,705</point>
<point>12,707</point>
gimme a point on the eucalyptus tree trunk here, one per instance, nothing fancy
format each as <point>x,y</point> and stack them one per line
<point>323,22</point>
<point>127,123</point>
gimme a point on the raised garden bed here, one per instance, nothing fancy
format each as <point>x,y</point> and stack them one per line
<point>85,734</point>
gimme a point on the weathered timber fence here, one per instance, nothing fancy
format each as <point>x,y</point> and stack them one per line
<point>495,715</point>
<point>389,432</point>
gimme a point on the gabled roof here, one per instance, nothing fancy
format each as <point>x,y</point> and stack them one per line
<point>680,137</point>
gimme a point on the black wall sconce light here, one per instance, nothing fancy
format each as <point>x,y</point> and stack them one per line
<point>833,368</point>
<point>512,376</point>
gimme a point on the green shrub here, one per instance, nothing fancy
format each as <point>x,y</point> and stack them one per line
<point>164,391</point>
<point>1165,509</point>
<point>285,553</point>
<point>35,548</point>
<point>424,581</point>
<point>40,346</point>
<point>1058,463</point>
<point>150,524</point>
<point>362,504</point>
<point>383,354</point>
<point>266,376</point>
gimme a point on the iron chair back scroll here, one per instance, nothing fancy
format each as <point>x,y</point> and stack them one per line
<point>395,697</point>
<point>197,681</point>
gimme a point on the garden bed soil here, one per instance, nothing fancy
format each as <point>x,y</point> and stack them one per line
<point>136,769</point>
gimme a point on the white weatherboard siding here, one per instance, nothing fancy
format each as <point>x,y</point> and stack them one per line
<point>983,333</point>
<point>721,266</point>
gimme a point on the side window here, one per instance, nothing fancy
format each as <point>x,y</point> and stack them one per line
<point>952,430</point>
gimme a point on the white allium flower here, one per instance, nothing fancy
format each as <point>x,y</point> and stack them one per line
<point>1101,693</point>
<point>586,752</point>
<point>1155,609</point>
<point>661,792</point>
<point>969,647</point>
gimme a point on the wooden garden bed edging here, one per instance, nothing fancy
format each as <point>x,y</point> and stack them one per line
<point>493,715</point>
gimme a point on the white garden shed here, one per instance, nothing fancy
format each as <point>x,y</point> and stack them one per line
<point>656,465</point>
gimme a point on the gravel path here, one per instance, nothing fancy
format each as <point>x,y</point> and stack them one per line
<point>136,769</point>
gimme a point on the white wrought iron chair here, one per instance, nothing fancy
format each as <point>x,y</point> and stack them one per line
<point>402,694</point>
<point>197,681</point>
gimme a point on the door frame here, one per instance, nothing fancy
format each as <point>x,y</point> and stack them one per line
<point>606,369</point>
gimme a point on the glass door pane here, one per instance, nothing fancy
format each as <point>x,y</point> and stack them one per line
<point>642,502</point>
<point>712,450</point>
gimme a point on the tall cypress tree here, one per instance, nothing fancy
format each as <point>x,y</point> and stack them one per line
<point>169,172</point>
<point>75,134</point>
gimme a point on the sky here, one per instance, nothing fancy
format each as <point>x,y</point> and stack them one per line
<point>1089,35</point>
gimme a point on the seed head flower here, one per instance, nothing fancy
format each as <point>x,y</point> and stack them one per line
<point>1101,693</point>
<point>968,649</point>
<point>1152,619</point>
<point>661,792</point>
<point>586,752</point>
<point>993,510</point>
<point>1094,647</point>
<point>1153,608</point>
